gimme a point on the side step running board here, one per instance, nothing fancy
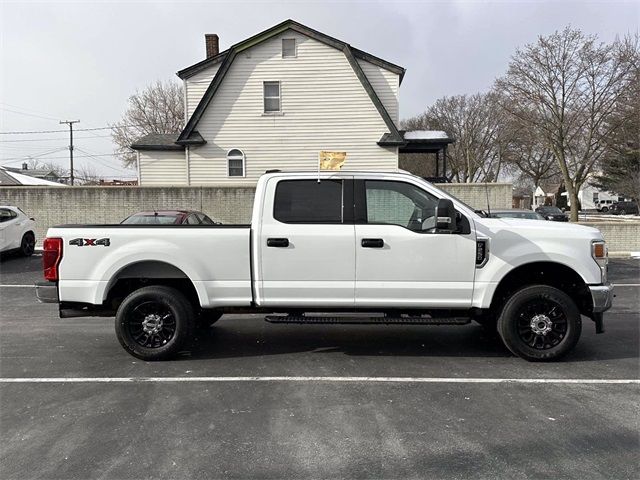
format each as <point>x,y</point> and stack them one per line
<point>362,320</point>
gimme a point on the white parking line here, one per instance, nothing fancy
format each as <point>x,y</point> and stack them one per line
<point>585,381</point>
<point>615,285</point>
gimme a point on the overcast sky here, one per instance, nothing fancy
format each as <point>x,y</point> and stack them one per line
<point>82,60</point>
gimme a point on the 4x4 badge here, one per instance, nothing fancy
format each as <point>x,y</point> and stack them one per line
<point>90,242</point>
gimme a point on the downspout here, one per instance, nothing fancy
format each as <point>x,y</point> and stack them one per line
<point>138,165</point>
<point>186,119</point>
<point>187,157</point>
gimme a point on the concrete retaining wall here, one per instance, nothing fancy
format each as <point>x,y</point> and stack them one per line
<point>57,206</point>
<point>475,194</point>
<point>623,236</point>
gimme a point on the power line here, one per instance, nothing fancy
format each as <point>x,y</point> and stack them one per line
<point>26,114</point>
<point>31,110</point>
<point>65,131</point>
<point>27,140</point>
<point>99,160</point>
<point>59,158</point>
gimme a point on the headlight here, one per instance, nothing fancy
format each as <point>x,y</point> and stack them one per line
<point>600,254</point>
<point>550,217</point>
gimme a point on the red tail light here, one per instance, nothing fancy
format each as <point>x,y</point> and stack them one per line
<point>51,257</point>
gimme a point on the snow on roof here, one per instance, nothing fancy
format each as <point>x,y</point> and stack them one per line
<point>426,135</point>
<point>27,180</point>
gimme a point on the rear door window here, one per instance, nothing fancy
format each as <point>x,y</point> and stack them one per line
<point>309,201</point>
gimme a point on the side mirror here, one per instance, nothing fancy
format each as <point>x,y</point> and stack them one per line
<point>446,219</point>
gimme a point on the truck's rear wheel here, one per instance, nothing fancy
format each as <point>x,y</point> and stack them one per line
<point>540,323</point>
<point>154,323</point>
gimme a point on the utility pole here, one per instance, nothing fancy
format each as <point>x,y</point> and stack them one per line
<point>70,123</point>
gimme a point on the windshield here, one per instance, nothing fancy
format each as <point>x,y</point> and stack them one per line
<point>529,215</point>
<point>553,210</point>
<point>150,220</point>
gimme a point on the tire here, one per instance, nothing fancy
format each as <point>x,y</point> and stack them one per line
<point>622,212</point>
<point>556,332</point>
<point>604,210</point>
<point>28,244</point>
<point>208,318</point>
<point>154,323</point>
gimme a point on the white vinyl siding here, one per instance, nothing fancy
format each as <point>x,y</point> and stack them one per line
<point>386,85</point>
<point>196,86</point>
<point>162,168</point>
<point>324,107</point>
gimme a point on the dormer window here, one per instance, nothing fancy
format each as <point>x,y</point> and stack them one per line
<point>289,48</point>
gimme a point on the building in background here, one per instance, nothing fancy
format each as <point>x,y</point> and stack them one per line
<point>13,177</point>
<point>39,173</point>
<point>275,100</point>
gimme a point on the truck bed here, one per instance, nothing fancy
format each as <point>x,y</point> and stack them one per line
<point>215,257</point>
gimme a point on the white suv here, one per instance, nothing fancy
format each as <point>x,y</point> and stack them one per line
<point>604,205</point>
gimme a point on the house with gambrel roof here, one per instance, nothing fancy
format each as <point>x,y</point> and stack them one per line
<point>275,100</point>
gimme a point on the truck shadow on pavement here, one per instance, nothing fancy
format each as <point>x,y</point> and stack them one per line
<point>238,338</point>
<point>226,341</point>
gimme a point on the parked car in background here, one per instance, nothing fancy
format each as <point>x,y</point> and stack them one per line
<point>604,205</point>
<point>553,213</point>
<point>169,217</point>
<point>624,208</point>
<point>516,213</point>
<point>17,231</point>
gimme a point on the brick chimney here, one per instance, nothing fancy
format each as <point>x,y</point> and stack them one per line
<point>212,44</point>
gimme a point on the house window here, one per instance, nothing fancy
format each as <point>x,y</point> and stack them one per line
<point>289,48</point>
<point>235,163</point>
<point>271,97</point>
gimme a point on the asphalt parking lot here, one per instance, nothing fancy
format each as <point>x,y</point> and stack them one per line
<point>255,400</point>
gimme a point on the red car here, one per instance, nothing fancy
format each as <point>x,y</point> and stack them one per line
<point>169,217</point>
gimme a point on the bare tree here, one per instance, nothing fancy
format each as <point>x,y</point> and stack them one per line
<point>87,175</point>
<point>528,156</point>
<point>474,121</point>
<point>159,108</point>
<point>565,88</point>
<point>619,169</point>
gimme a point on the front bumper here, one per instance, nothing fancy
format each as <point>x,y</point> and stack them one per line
<point>602,297</point>
<point>47,292</point>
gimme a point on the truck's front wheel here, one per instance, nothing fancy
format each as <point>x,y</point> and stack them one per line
<point>154,323</point>
<point>540,323</point>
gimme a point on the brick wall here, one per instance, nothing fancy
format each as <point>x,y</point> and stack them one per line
<point>56,205</point>
<point>622,236</point>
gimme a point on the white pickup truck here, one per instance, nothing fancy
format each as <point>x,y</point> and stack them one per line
<point>338,247</point>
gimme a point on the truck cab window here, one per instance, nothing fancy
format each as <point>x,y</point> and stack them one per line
<point>399,203</point>
<point>308,201</point>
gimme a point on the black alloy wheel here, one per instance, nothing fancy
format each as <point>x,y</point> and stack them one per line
<point>155,322</point>
<point>28,244</point>
<point>540,322</point>
<point>152,324</point>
